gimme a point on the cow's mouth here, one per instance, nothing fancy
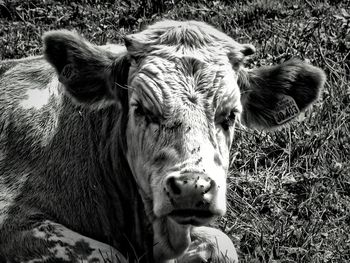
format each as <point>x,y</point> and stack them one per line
<point>192,216</point>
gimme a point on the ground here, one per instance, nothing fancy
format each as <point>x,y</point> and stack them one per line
<point>289,190</point>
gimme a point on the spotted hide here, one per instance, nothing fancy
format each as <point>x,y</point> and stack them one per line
<point>120,153</point>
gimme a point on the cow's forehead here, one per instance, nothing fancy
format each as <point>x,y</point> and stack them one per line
<point>184,63</point>
<point>173,82</point>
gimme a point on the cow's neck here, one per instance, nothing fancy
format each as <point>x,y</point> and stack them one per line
<point>129,223</point>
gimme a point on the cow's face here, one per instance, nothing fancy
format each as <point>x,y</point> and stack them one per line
<point>186,89</point>
<point>182,112</point>
<point>184,102</point>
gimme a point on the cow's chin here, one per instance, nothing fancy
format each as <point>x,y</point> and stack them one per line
<point>172,232</point>
<point>170,238</point>
<point>172,225</point>
<point>193,217</point>
<point>189,216</point>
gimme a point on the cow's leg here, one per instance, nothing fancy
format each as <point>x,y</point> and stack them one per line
<point>51,242</point>
<point>209,245</point>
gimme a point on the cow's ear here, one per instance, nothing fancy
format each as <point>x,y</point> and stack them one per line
<point>137,46</point>
<point>89,73</point>
<point>273,96</point>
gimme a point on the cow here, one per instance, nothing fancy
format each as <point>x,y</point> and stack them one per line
<point>121,153</point>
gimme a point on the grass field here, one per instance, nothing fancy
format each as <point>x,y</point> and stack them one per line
<point>289,190</point>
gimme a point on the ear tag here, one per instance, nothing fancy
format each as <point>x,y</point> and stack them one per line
<point>68,74</point>
<point>286,109</point>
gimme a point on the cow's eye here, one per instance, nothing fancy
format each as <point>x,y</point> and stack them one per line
<point>141,111</point>
<point>228,120</point>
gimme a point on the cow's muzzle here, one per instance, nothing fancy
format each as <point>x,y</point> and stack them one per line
<point>192,196</point>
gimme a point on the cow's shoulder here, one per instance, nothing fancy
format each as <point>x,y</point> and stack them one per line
<point>29,97</point>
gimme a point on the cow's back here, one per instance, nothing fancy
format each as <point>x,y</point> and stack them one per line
<point>7,64</point>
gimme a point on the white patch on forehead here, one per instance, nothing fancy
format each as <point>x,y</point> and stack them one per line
<point>37,98</point>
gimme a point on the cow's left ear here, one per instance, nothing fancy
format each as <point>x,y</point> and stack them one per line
<point>89,73</point>
<point>273,96</point>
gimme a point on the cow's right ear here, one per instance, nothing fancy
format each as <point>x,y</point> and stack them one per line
<point>90,74</point>
<point>273,96</point>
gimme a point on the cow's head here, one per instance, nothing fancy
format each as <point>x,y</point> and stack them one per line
<point>186,90</point>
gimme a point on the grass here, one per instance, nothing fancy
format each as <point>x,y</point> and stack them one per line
<point>289,190</point>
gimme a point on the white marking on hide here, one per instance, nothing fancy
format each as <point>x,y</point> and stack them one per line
<point>61,253</point>
<point>37,98</point>
<point>62,235</point>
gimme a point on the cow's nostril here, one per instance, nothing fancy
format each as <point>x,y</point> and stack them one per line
<point>173,186</point>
